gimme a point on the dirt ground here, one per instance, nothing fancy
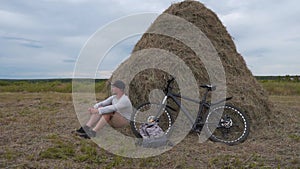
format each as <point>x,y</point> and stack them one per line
<point>36,133</point>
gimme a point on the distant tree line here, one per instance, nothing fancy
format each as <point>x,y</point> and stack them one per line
<point>292,78</point>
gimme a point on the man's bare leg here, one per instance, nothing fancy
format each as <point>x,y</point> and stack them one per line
<point>118,121</point>
<point>113,119</point>
<point>93,120</point>
<point>105,118</point>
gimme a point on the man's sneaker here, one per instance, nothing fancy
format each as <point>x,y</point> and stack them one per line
<point>80,130</point>
<point>84,135</point>
<point>88,133</point>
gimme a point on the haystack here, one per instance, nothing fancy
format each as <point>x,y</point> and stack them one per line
<point>247,93</point>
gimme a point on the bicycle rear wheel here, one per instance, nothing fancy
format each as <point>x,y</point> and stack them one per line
<point>146,110</point>
<point>230,126</point>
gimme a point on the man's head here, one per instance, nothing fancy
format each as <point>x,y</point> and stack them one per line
<point>119,85</point>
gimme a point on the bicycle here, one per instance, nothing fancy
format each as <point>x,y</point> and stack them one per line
<point>231,125</point>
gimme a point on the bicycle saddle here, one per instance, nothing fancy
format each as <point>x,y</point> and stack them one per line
<point>209,87</point>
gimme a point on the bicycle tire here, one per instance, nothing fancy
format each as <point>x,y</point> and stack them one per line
<point>145,110</point>
<point>232,126</point>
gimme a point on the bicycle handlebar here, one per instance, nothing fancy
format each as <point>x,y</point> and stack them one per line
<point>208,87</point>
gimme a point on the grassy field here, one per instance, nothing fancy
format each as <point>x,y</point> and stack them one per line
<point>274,87</point>
<point>282,88</point>
<point>36,120</point>
<point>55,85</point>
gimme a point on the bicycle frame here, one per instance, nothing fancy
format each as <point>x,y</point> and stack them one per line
<point>201,103</point>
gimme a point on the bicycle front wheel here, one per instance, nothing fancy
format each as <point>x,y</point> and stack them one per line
<point>227,124</point>
<point>146,110</point>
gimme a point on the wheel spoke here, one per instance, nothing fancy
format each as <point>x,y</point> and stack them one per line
<point>150,109</point>
<point>233,125</point>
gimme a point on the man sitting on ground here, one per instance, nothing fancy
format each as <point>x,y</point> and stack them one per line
<point>115,110</point>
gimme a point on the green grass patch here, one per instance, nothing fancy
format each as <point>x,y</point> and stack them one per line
<point>88,154</point>
<point>274,86</point>
<point>59,151</point>
<point>283,88</point>
<point>52,85</point>
<point>295,137</point>
<point>81,152</point>
<point>9,154</point>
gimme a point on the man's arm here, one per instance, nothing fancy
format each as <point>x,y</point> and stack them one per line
<point>105,102</point>
<point>107,109</point>
<point>103,110</point>
<point>122,104</point>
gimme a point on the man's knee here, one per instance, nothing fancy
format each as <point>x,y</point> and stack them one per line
<point>107,117</point>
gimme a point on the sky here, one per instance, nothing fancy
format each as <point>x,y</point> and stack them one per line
<point>41,39</point>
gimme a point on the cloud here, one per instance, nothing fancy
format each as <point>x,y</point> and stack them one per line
<point>12,19</point>
<point>53,32</point>
<point>25,42</point>
<point>118,53</point>
<point>265,33</point>
<point>69,60</point>
<point>46,36</point>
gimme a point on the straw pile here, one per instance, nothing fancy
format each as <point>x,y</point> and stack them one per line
<point>247,93</point>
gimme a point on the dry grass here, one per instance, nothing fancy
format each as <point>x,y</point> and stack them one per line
<point>36,133</point>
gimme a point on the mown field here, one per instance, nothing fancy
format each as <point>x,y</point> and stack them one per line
<point>37,117</point>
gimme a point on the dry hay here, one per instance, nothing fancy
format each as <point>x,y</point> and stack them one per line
<point>247,93</point>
